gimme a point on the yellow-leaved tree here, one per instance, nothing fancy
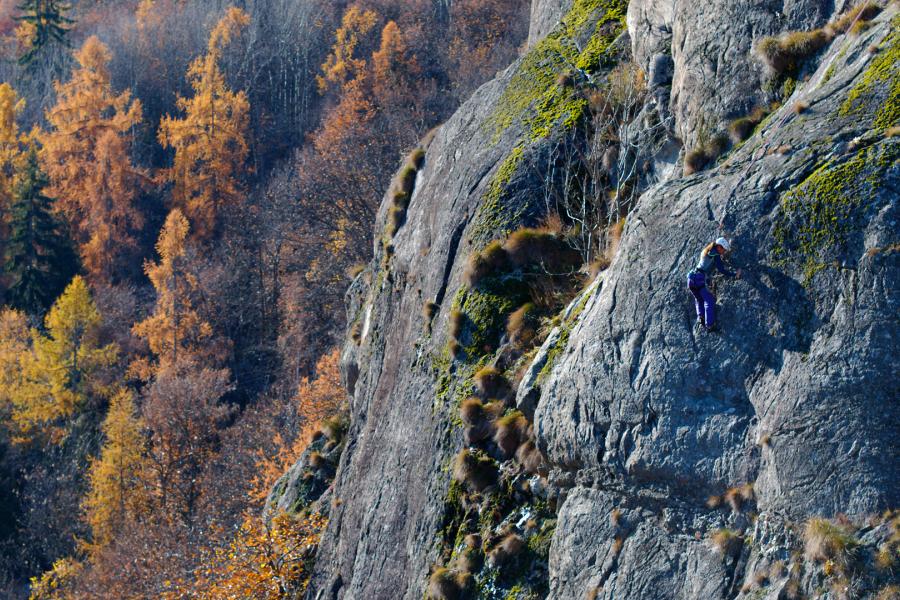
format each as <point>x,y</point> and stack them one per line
<point>347,60</point>
<point>13,345</point>
<point>267,560</point>
<point>175,332</point>
<point>86,156</point>
<point>115,486</point>
<point>210,140</point>
<point>61,372</point>
<point>10,147</point>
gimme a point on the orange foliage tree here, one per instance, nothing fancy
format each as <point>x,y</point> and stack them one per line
<point>347,60</point>
<point>210,141</point>
<point>267,560</point>
<point>175,331</point>
<point>86,156</point>
<point>315,401</point>
<point>10,144</point>
<point>61,373</point>
<point>115,487</point>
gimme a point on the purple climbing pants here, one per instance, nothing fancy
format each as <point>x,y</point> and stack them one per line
<point>704,301</point>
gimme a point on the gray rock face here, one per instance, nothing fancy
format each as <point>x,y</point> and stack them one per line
<point>545,14</point>
<point>641,417</point>
<point>797,394</point>
<point>392,481</point>
<point>716,76</point>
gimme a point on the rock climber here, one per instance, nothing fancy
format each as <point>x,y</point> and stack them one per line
<point>704,301</point>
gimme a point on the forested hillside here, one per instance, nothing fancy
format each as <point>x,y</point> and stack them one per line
<point>187,188</point>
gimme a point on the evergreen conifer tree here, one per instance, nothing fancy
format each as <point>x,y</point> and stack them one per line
<point>39,261</point>
<point>48,23</point>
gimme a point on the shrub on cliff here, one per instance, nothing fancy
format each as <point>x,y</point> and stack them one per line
<point>785,53</point>
<point>510,432</point>
<point>491,383</point>
<point>492,260</point>
<point>826,541</point>
<point>476,470</point>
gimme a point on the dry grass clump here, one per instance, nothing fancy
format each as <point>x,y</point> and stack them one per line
<point>737,497</point>
<point>704,154</point>
<point>491,383</point>
<point>429,310</point>
<point>406,180</point>
<point>600,263</point>
<point>457,323</point>
<point>511,431</point>
<point>316,460</point>
<point>445,584</point>
<point>334,428</point>
<point>492,260</point>
<point>529,246</point>
<point>613,236</point>
<point>761,579</point>
<point>854,19</point>
<point>402,192</point>
<point>828,542</point>
<point>479,418</point>
<point>525,248</point>
<point>396,218</point>
<point>522,326</point>
<point>530,458</point>
<point>477,471</point>
<point>727,542</point>
<point>777,570</point>
<point>472,412</point>
<point>417,158</point>
<point>506,550</point>
<point>742,128</point>
<point>784,53</point>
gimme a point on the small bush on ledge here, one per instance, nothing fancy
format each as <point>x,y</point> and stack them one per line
<point>475,470</point>
<point>826,541</point>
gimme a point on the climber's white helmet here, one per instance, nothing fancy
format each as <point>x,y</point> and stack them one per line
<point>724,243</point>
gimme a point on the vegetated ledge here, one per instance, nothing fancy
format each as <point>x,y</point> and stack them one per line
<point>547,106</point>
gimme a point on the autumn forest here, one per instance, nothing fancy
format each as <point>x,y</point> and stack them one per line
<point>187,187</point>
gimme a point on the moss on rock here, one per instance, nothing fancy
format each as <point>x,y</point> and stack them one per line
<point>818,215</point>
<point>879,88</point>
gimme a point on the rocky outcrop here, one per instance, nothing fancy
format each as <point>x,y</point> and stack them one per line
<point>391,484</point>
<point>716,76</point>
<point>789,412</point>
<point>797,395</point>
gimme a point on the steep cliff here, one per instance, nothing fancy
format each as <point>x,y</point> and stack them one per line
<point>675,464</point>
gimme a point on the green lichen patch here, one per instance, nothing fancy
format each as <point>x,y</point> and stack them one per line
<point>535,94</point>
<point>563,341</point>
<point>878,91</point>
<point>494,219</point>
<point>485,312</point>
<point>818,216</point>
<point>543,95</point>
